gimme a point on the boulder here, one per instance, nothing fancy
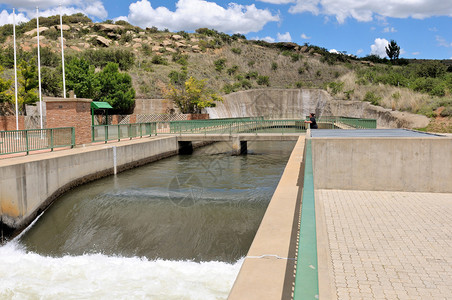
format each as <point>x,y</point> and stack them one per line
<point>32,32</point>
<point>166,43</point>
<point>136,46</point>
<point>65,27</point>
<point>177,37</point>
<point>156,49</point>
<point>171,50</point>
<point>109,27</point>
<point>304,48</point>
<point>75,48</point>
<point>194,40</point>
<point>137,40</point>
<point>103,41</point>
<point>180,45</point>
<point>195,48</point>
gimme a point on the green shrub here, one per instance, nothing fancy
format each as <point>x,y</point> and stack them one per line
<point>246,84</point>
<point>263,80</point>
<point>251,75</point>
<point>236,50</point>
<point>447,112</point>
<point>220,64</point>
<point>300,70</point>
<point>251,63</point>
<point>274,66</point>
<point>177,77</point>
<point>295,57</point>
<point>159,60</point>
<point>232,70</point>
<point>372,98</point>
<point>336,87</point>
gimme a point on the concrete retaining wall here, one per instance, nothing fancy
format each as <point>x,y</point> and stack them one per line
<point>296,103</point>
<point>29,184</point>
<point>385,164</point>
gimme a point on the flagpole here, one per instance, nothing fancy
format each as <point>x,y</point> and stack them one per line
<point>39,65</point>
<point>15,69</point>
<point>62,53</point>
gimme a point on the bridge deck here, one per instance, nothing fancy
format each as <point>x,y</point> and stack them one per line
<point>241,136</point>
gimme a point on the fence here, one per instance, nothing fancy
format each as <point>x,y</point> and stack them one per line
<point>17,141</point>
<point>104,133</point>
<point>233,126</point>
<point>357,123</point>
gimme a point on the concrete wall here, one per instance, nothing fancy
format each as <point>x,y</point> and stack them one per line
<point>385,164</point>
<point>29,184</point>
<point>268,269</point>
<point>153,106</point>
<point>296,103</point>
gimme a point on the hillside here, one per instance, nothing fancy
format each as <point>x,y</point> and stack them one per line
<point>231,63</point>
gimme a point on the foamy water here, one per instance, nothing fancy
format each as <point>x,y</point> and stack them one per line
<point>27,275</point>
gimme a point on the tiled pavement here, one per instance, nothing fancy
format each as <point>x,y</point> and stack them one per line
<point>388,245</point>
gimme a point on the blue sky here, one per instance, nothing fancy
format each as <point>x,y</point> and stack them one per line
<point>422,28</point>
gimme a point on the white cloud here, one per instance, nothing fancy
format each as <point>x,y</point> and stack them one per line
<point>96,9</point>
<point>389,29</point>
<point>267,39</point>
<point>359,51</point>
<point>284,37</point>
<point>416,53</point>
<point>442,42</point>
<point>92,8</point>
<point>278,1</point>
<point>7,18</point>
<point>193,14</point>
<point>379,47</point>
<point>121,18</point>
<point>334,51</point>
<point>304,36</point>
<point>367,10</point>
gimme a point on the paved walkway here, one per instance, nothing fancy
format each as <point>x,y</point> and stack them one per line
<point>388,245</point>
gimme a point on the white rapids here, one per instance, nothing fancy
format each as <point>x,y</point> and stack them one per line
<point>27,275</point>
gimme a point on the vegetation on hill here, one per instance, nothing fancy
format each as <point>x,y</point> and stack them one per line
<point>155,59</point>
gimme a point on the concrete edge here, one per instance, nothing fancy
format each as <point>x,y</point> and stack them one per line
<point>263,274</point>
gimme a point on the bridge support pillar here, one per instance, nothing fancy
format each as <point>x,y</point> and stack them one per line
<point>185,147</point>
<point>239,147</point>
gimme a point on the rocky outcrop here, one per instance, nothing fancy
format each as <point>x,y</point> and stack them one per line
<point>34,31</point>
<point>102,41</point>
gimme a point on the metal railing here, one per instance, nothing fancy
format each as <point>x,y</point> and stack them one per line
<point>105,133</point>
<point>233,126</point>
<point>18,141</point>
<point>357,123</point>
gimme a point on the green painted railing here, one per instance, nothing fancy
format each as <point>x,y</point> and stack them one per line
<point>19,141</point>
<point>357,123</point>
<point>104,133</point>
<point>306,277</point>
<point>233,126</point>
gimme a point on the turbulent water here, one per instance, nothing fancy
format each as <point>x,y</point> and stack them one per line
<point>174,229</point>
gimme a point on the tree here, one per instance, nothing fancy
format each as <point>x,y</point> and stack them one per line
<point>115,88</point>
<point>80,77</point>
<point>393,50</point>
<point>28,84</point>
<point>193,97</point>
<point>5,89</point>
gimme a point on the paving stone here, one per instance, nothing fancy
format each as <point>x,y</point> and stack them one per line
<point>389,245</point>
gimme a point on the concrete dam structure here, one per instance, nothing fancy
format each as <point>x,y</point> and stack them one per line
<point>296,103</point>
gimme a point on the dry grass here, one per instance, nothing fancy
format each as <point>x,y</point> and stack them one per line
<point>402,99</point>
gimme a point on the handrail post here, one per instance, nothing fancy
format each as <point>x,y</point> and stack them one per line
<point>106,133</point>
<point>73,137</point>
<point>119,132</point>
<point>26,141</point>
<point>51,139</point>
